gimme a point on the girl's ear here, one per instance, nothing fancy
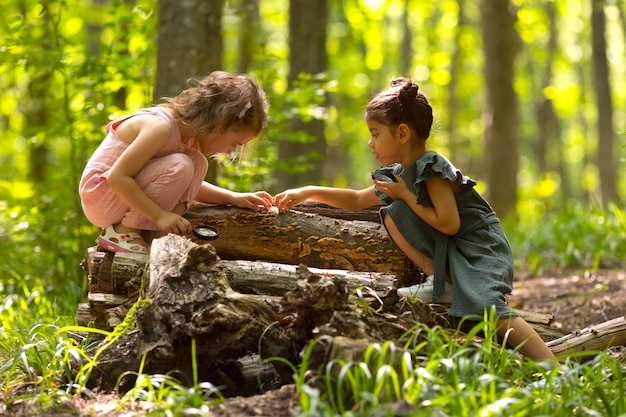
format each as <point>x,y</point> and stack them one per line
<point>403,132</point>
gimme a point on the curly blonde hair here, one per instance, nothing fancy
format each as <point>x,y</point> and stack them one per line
<point>220,102</point>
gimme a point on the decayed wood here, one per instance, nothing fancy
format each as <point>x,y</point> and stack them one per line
<point>276,279</point>
<point>114,273</point>
<point>189,299</point>
<point>263,278</point>
<point>296,237</point>
<point>598,337</point>
<point>371,214</point>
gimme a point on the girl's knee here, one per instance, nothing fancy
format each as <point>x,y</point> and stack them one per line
<point>181,168</point>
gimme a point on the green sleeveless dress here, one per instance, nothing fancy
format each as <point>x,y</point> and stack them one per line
<point>478,257</point>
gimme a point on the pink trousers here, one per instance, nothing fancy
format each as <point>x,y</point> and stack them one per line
<point>168,180</point>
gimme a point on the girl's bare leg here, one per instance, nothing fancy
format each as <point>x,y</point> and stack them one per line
<point>523,335</point>
<point>426,264</point>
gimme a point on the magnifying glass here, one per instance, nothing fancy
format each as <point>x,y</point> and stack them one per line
<point>205,232</point>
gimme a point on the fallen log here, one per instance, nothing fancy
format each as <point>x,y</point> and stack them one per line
<point>296,237</point>
<point>107,310</point>
<point>371,214</point>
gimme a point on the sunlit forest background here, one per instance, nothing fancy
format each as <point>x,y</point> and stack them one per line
<point>529,99</point>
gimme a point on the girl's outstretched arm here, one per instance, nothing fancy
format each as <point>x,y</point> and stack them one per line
<point>345,198</point>
<point>212,194</point>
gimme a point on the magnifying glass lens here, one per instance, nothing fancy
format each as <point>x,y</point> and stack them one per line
<point>205,232</point>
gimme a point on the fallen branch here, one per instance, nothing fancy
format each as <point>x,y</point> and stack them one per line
<point>595,338</point>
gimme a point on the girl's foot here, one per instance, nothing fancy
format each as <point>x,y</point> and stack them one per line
<point>129,241</point>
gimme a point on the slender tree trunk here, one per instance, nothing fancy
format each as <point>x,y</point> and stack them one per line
<point>190,45</point>
<point>607,162</point>
<point>250,31</point>
<point>549,154</point>
<point>453,99</point>
<point>307,48</point>
<point>406,51</point>
<point>501,44</point>
<point>36,108</point>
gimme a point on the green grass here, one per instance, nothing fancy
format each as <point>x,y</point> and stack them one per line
<point>579,237</point>
<point>440,376</point>
<point>431,371</point>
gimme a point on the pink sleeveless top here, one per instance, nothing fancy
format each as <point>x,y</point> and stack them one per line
<point>100,204</point>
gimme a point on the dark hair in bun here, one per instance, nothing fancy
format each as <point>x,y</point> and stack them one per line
<point>401,103</point>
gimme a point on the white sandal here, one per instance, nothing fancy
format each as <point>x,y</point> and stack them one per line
<point>424,291</point>
<point>113,241</point>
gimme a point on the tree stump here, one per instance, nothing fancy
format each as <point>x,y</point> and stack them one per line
<point>188,300</point>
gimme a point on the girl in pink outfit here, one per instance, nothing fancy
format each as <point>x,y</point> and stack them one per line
<point>152,163</point>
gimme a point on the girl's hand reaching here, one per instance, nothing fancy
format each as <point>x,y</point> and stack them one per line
<point>289,198</point>
<point>253,201</point>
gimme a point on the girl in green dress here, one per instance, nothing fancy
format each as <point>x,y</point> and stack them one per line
<point>434,215</point>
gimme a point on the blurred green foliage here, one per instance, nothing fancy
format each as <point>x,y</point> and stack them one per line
<point>67,68</point>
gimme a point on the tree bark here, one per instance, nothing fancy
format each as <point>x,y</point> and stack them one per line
<point>607,158</point>
<point>307,49</point>
<point>500,44</point>
<point>303,238</point>
<point>190,43</point>
<point>190,46</point>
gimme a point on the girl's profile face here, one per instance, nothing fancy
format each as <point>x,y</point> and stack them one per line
<point>225,142</point>
<point>386,149</point>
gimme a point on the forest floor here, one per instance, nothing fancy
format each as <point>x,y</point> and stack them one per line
<point>577,300</point>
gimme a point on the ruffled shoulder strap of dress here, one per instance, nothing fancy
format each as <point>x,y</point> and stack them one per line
<point>434,165</point>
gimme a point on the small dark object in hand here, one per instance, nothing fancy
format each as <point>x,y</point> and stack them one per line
<point>205,232</point>
<point>384,175</point>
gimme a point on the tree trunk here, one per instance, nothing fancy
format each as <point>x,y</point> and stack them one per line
<point>250,34</point>
<point>190,43</point>
<point>190,46</point>
<point>307,48</point>
<point>607,158</point>
<point>500,44</point>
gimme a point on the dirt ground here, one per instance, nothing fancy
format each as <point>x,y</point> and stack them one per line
<point>577,300</point>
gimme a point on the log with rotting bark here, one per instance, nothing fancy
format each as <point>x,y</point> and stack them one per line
<point>114,280</point>
<point>188,298</point>
<point>296,237</point>
<point>371,214</point>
